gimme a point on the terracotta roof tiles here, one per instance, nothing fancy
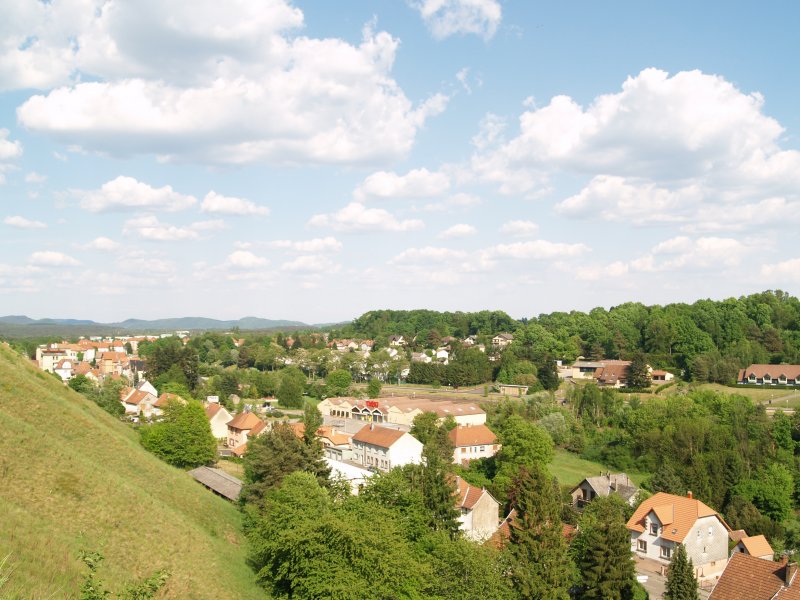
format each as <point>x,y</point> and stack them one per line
<point>378,436</point>
<point>678,514</point>
<point>754,579</point>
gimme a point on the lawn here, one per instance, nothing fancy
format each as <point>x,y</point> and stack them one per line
<point>571,469</point>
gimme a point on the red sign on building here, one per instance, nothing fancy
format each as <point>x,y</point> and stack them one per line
<point>372,403</point>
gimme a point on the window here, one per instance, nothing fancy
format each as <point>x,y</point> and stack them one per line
<point>710,531</point>
<point>464,450</point>
<point>653,528</point>
<point>483,448</point>
<point>666,552</point>
<point>641,546</point>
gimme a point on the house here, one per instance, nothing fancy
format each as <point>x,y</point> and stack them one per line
<point>508,389</point>
<point>770,375</point>
<point>613,373</point>
<point>218,418</point>
<point>65,368</point>
<point>756,545</point>
<point>754,578</point>
<point>501,340</point>
<point>397,340</point>
<point>663,521</point>
<point>146,386</point>
<point>336,445</point>
<point>604,485</point>
<point>471,442</point>
<point>242,427</point>
<point>383,448</point>
<point>442,356</point>
<point>479,511</point>
<point>420,357</point>
<point>658,376</point>
<point>400,410</point>
<point>161,403</point>
<point>354,475</point>
<point>138,402</point>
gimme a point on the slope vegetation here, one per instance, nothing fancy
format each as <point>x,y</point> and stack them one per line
<point>73,478</point>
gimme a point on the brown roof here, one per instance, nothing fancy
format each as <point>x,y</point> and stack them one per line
<point>244,421</point>
<point>736,535</point>
<point>757,545</point>
<point>212,409</point>
<point>612,371</point>
<point>138,396</point>
<point>378,436</point>
<point>774,371</point>
<point>240,450</point>
<point>473,435</point>
<point>503,533</point>
<point>218,481</point>
<point>677,514</point>
<point>406,404</point>
<point>467,495</point>
<point>754,579</point>
<point>337,438</point>
<point>82,368</point>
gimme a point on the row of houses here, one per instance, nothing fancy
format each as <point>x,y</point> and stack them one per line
<point>608,373</point>
<point>400,410</point>
<point>768,375</point>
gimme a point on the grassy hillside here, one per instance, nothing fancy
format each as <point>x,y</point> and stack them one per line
<point>73,478</point>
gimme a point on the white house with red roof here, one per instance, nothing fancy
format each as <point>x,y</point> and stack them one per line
<point>218,418</point>
<point>383,448</point>
<point>471,442</point>
<point>770,375</point>
<point>664,521</point>
<point>243,427</point>
<point>479,512</point>
<point>138,403</point>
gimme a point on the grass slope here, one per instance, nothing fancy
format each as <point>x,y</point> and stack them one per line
<point>73,478</point>
<point>571,469</point>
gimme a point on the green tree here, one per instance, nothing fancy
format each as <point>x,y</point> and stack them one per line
<point>539,564</point>
<point>290,393</point>
<point>602,552</point>
<point>438,485</point>
<point>82,385</point>
<point>338,382</point>
<point>770,491</point>
<point>183,438</point>
<point>547,372</point>
<point>374,388</point>
<point>523,444</point>
<point>681,582</point>
<point>638,375</point>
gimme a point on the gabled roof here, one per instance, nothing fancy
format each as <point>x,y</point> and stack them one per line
<point>378,436</point>
<point>677,514</point>
<point>473,435</point>
<point>244,421</point>
<point>136,397</point>
<point>774,371</point>
<point>467,495</point>
<point>218,481</point>
<point>603,485</point>
<point>757,545</point>
<point>754,579</point>
<point>212,409</point>
<point>166,397</point>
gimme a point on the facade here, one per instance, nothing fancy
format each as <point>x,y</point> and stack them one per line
<point>502,340</point>
<point>603,485</point>
<point>664,520</point>
<point>400,410</point>
<point>659,376</point>
<point>139,402</point>
<point>770,375</point>
<point>242,427</point>
<point>382,448</point>
<point>508,389</point>
<point>756,545</point>
<point>472,442</point>
<point>218,418</point>
<point>479,512</point>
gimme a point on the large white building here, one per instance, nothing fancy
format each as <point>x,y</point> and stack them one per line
<point>383,448</point>
<point>401,410</point>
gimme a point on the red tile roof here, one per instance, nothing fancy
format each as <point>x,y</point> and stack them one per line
<point>244,421</point>
<point>751,578</point>
<point>472,435</point>
<point>376,435</point>
<point>677,514</point>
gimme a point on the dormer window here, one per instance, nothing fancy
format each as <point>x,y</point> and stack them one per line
<point>653,528</point>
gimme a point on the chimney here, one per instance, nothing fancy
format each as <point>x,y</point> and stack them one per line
<point>789,573</point>
<point>689,494</point>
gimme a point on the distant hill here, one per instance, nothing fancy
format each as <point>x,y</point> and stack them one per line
<point>74,478</point>
<point>22,326</point>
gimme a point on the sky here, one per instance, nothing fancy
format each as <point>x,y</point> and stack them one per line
<point>313,160</point>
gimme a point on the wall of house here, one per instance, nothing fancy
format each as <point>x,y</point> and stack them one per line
<point>219,427</point>
<point>407,450</point>
<point>484,519</point>
<point>464,454</point>
<point>707,546</point>
<point>655,543</point>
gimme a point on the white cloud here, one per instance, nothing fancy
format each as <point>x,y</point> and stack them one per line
<point>313,246</point>
<point>49,258</point>
<point>417,183</point>
<point>449,17</point>
<point>312,263</point>
<point>242,259</point>
<point>356,217</point>
<point>427,255</point>
<point>519,228</point>
<point>23,223</point>
<point>9,150</point>
<point>103,244</point>
<point>126,193</point>
<point>457,231</point>
<point>536,250</point>
<point>784,271</point>
<point>454,202</point>
<point>210,82</point>
<point>34,177</point>
<point>150,228</point>
<point>612,271</point>
<point>228,205</point>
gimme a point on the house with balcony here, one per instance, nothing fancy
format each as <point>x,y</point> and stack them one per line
<point>664,521</point>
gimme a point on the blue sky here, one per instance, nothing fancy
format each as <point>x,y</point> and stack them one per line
<point>314,160</point>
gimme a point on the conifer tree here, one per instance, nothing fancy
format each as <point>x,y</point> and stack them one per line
<point>539,564</point>
<point>681,582</point>
<point>602,552</point>
<point>438,488</point>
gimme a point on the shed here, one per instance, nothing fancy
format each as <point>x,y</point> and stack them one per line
<point>218,481</point>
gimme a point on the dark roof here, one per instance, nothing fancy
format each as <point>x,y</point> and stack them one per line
<point>218,481</point>
<point>754,578</point>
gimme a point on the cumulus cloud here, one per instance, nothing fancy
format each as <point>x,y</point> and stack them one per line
<point>313,246</point>
<point>209,82</point>
<point>126,193</point>
<point>519,228</point>
<point>23,223</point>
<point>103,244</point>
<point>457,231</point>
<point>148,227</point>
<point>227,205</point>
<point>787,270</point>
<point>356,217</point>
<point>49,258</point>
<point>34,177</point>
<point>427,255</point>
<point>536,250</point>
<point>449,17</point>
<point>312,263</point>
<point>9,149</point>
<point>242,259</point>
<point>417,183</point>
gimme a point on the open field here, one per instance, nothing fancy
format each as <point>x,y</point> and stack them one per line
<point>570,469</point>
<point>73,478</point>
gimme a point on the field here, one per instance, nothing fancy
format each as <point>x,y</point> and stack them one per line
<point>571,469</point>
<point>72,478</point>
